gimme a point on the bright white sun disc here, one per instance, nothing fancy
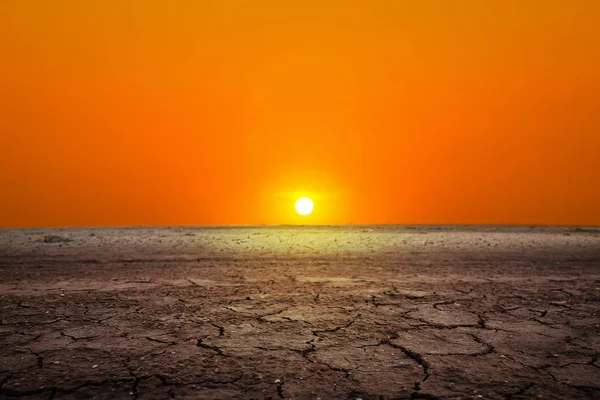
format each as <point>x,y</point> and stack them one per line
<point>304,206</point>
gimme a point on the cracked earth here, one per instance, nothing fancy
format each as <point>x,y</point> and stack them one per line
<point>371,312</point>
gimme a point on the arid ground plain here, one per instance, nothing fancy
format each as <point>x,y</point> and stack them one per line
<point>300,312</point>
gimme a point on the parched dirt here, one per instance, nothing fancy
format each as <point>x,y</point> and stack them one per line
<point>362,312</point>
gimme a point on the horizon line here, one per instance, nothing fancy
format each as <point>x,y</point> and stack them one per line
<point>458,224</point>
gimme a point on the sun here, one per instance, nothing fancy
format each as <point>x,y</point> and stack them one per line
<point>304,206</point>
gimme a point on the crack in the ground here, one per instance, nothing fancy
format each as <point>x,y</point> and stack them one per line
<point>443,303</point>
<point>261,318</point>
<point>216,349</point>
<point>193,283</point>
<point>540,370</point>
<point>280,390</point>
<point>305,352</point>
<point>134,384</point>
<point>482,321</point>
<point>590,390</point>
<point>445,326</point>
<point>77,339</point>
<point>337,328</point>
<point>539,321</point>
<point>220,328</point>
<point>39,359</point>
<point>346,371</point>
<point>137,379</point>
<point>169,342</point>
<point>415,356</point>
<point>488,350</point>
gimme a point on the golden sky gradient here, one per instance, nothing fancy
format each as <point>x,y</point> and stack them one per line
<point>145,112</point>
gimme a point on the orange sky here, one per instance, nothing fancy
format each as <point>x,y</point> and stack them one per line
<point>145,112</point>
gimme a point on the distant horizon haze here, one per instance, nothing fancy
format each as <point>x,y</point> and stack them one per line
<point>409,227</point>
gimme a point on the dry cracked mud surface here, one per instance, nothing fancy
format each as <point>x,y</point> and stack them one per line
<point>361,312</point>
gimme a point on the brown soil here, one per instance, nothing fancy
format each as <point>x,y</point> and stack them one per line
<point>372,312</point>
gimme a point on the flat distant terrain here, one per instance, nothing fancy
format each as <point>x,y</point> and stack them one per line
<point>300,312</point>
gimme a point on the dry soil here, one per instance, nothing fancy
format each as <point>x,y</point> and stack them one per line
<point>361,312</point>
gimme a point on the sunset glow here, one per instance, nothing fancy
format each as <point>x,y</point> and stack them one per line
<point>149,112</point>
